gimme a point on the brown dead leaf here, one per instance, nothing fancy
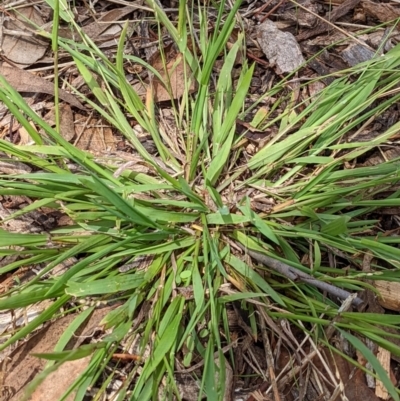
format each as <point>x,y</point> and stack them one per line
<point>381,11</point>
<point>24,81</point>
<point>356,388</point>
<point>57,383</point>
<point>100,27</point>
<point>10,126</point>
<point>23,367</point>
<point>98,30</point>
<point>140,88</point>
<point>352,378</point>
<point>173,76</point>
<point>93,135</point>
<point>20,45</point>
<point>24,137</point>
<point>315,88</point>
<point>10,166</point>
<point>248,126</point>
<point>67,129</point>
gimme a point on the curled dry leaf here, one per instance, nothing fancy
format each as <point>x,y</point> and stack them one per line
<point>281,48</point>
<point>20,45</point>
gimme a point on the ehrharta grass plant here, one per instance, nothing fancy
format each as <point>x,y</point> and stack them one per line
<point>194,221</point>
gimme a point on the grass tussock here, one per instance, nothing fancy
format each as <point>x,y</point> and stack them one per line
<point>186,239</point>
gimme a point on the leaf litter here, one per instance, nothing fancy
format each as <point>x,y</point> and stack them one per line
<point>22,365</point>
<point>317,371</point>
<point>20,44</point>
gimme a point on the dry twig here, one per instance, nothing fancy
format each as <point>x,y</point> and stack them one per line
<point>295,274</point>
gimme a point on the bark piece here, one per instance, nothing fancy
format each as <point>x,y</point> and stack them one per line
<point>383,357</point>
<point>381,11</point>
<point>389,294</point>
<point>356,53</point>
<point>10,166</point>
<point>322,27</point>
<point>301,16</point>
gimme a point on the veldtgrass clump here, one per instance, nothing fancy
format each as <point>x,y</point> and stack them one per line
<point>199,222</point>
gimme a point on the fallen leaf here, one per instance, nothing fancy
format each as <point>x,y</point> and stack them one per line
<point>93,135</point>
<point>23,367</point>
<point>67,129</point>
<point>352,378</point>
<point>356,388</point>
<point>24,81</point>
<point>100,27</point>
<point>20,45</point>
<point>24,136</point>
<point>173,76</point>
<point>11,126</point>
<point>58,382</point>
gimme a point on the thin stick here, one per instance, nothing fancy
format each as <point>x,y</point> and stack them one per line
<point>295,274</point>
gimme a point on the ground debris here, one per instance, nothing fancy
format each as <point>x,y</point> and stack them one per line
<point>281,48</point>
<point>25,81</point>
<point>357,53</point>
